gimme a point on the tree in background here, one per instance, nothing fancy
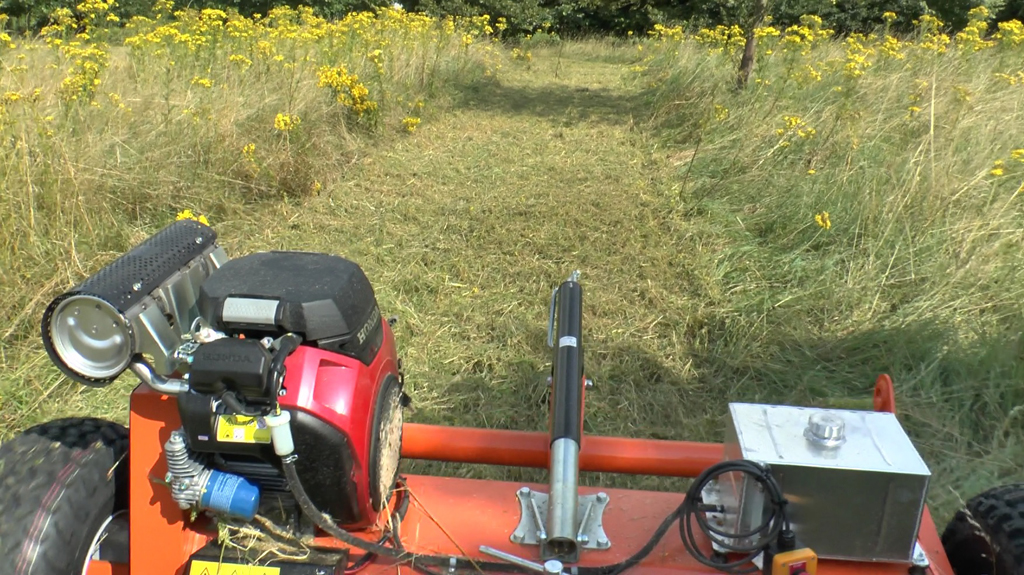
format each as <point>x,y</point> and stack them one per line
<point>843,16</point>
<point>587,17</point>
<point>29,14</point>
<point>522,15</point>
<point>1011,10</point>
<point>32,15</point>
<point>324,8</point>
<point>574,17</point>
<point>759,11</point>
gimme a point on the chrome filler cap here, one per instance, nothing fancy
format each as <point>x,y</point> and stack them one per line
<point>825,429</point>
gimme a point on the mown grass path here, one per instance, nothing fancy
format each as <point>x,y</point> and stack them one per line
<point>466,225</point>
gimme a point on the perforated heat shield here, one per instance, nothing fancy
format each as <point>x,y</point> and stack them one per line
<point>131,277</point>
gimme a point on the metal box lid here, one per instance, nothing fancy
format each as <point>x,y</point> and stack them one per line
<point>829,438</point>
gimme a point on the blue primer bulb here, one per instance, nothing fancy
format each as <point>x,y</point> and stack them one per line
<point>230,494</point>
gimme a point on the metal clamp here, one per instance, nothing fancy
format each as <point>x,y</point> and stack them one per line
<point>533,506</point>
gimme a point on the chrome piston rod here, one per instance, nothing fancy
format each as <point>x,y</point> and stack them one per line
<point>563,500</point>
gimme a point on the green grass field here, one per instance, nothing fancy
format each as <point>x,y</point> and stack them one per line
<point>690,210</point>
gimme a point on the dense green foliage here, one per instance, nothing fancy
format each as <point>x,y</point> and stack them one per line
<point>585,17</point>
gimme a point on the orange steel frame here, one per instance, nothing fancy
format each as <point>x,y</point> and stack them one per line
<point>453,516</point>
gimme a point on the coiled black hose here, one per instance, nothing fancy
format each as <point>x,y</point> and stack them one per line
<point>693,511</point>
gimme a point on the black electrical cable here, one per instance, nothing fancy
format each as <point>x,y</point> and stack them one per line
<point>420,561</point>
<point>327,524</point>
<point>693,510</point>
<point>693,504</point>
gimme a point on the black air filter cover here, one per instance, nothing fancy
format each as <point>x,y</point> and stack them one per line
<point>325,298</point>
<point>239,365</point>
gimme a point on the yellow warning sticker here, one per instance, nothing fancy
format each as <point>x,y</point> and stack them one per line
<point>242,429</point>
<point>214,568</point>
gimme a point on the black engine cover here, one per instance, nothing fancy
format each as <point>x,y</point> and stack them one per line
<point>326,299</point>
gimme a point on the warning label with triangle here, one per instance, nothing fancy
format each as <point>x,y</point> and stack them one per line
<point>216,568</point>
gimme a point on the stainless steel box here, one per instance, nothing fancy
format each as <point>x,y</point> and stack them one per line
<point>856,485</point>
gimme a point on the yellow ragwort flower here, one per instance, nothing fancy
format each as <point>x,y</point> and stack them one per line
<point>286,122</point>
<point>823,221</point>
<point>188,215</point>
<point>410,123</point>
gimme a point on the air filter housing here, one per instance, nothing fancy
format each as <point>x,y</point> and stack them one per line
<point>856,485</point>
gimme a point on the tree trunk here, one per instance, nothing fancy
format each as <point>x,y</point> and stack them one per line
<point>750,47</point>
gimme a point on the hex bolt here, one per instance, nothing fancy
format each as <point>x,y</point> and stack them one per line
<point>602,497</point>
<point>199,240</point>
<point>553,567</point>
<point>137,286</point>
<point>603,542</point>
<point>524,491</point>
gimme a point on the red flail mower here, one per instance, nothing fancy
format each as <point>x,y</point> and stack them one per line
<point>266,434</point>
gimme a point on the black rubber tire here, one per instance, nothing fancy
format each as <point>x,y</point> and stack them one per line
<point>986,537</point>
<point>59,482</point>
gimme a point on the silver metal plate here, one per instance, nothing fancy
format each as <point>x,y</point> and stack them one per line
<point>160,320</point>
<point>533,507</point>
<point>250,310</point>
<point>712,495</point>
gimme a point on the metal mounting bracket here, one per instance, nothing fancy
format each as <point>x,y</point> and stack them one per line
<point>712,495</point>
<point>533,507</point>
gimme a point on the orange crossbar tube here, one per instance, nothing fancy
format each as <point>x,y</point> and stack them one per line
<point>530,449</point>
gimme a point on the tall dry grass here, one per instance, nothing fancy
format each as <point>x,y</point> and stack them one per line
<point>860,209</point>
<point>108,132</point>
